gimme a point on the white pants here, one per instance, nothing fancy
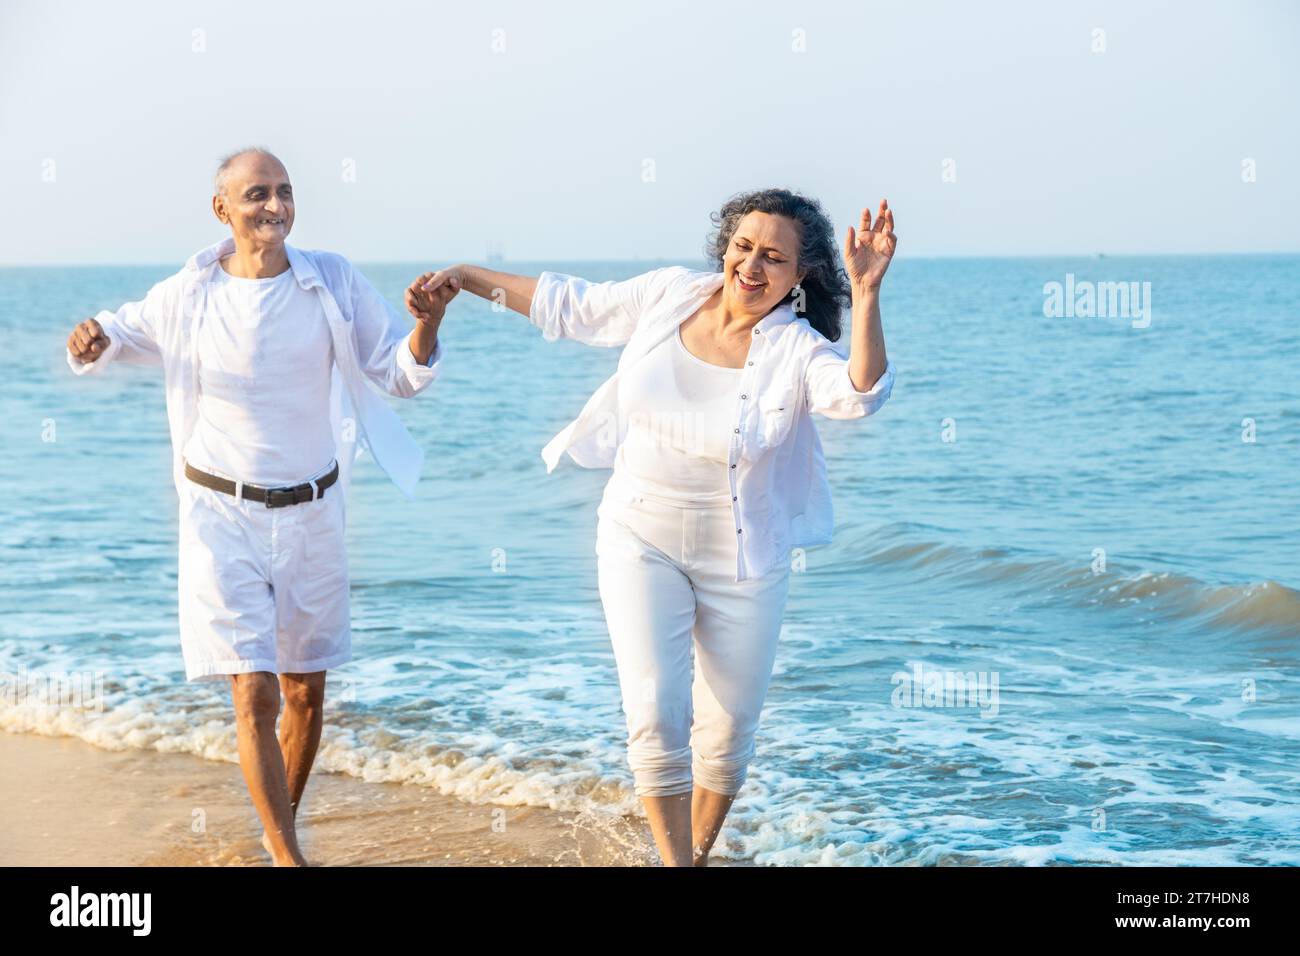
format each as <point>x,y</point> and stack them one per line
<point>262,589</point>
<point>667,581</point>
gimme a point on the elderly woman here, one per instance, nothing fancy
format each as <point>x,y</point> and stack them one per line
<point>718,470</point>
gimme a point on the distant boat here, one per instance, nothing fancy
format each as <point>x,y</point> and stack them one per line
<point>1101,255</point>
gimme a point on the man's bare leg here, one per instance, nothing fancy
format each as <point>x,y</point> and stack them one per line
<point>300,729</point>
<point>708,810</point>
<point>256,697</point>
<point>304,706</point>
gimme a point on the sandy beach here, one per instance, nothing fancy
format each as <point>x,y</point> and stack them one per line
<point>69,803</point>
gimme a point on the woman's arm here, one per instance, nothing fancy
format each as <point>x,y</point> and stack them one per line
<point>510,290</point>
<point>858,386</point>
<point>562,306</point>
<point>832,392</point>
<point>866,257</point>
<point>867,359</point>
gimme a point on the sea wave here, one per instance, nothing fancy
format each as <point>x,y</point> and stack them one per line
<point>1267,606</point>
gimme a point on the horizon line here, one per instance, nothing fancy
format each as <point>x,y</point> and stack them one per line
<point>491,261</point>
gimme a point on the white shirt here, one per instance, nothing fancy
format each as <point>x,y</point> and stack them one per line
<point>370,343</point>
<point>678,412</point>
<point>265,357</point>
<point>776,469</point>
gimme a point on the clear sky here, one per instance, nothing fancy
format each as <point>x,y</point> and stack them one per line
<point>530,128</point>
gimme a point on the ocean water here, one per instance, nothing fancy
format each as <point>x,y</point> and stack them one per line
<point>1096,522</point>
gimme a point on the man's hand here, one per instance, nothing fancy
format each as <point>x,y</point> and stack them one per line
<point>87,342</point>
<point>427,307</point>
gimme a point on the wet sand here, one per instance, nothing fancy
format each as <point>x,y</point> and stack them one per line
<point>68,803</point>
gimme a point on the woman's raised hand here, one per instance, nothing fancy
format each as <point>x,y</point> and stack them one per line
<point>868,252</point>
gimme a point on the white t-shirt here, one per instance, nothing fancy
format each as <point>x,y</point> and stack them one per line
<point>680,414</point>
<point>265,354</point>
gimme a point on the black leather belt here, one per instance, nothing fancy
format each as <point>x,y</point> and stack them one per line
<point>271,497</point>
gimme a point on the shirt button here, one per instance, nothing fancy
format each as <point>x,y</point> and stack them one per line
<point>743,397</point>
<point>733,497</point>
<point>737,531</point>
<point>751,363</point>
<point>736,430</point>
<point>733,466</point>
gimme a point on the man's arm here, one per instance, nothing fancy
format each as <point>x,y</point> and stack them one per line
<point>127,335</point>
<point>401,361</point>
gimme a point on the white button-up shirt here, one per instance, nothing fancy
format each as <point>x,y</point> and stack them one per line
<point>780,493</point>
<point>370,342</point>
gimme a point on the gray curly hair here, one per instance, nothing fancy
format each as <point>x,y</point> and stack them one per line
<point>826,287</point>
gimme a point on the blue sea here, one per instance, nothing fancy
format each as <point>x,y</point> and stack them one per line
<point>1093,522</point>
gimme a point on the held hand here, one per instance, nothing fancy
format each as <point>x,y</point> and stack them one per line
<point>87,342</point>
<point>868,252</point>
<point>453,275</point>
<point>428,306</point>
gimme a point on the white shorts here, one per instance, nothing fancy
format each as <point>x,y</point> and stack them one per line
<point>262,589</point>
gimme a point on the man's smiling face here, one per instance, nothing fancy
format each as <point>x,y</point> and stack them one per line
<point>255,199</point>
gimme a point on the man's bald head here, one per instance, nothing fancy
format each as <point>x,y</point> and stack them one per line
<point>255,199</point>
<point>236,158</point>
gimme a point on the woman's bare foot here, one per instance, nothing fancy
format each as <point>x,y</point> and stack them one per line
<point>289,861</point>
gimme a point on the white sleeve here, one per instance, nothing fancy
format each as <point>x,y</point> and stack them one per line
<point>830,390</point>
<point>132,334</point>
<point>384,343</point>
<point>594,313</point>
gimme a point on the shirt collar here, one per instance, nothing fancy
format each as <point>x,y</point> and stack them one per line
<point>782,314</point>
<point>303,271</point>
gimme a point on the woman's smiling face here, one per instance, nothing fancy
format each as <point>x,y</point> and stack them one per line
<point>762,263</point>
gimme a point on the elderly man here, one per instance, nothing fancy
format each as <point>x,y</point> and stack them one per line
<point>264,350</point>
